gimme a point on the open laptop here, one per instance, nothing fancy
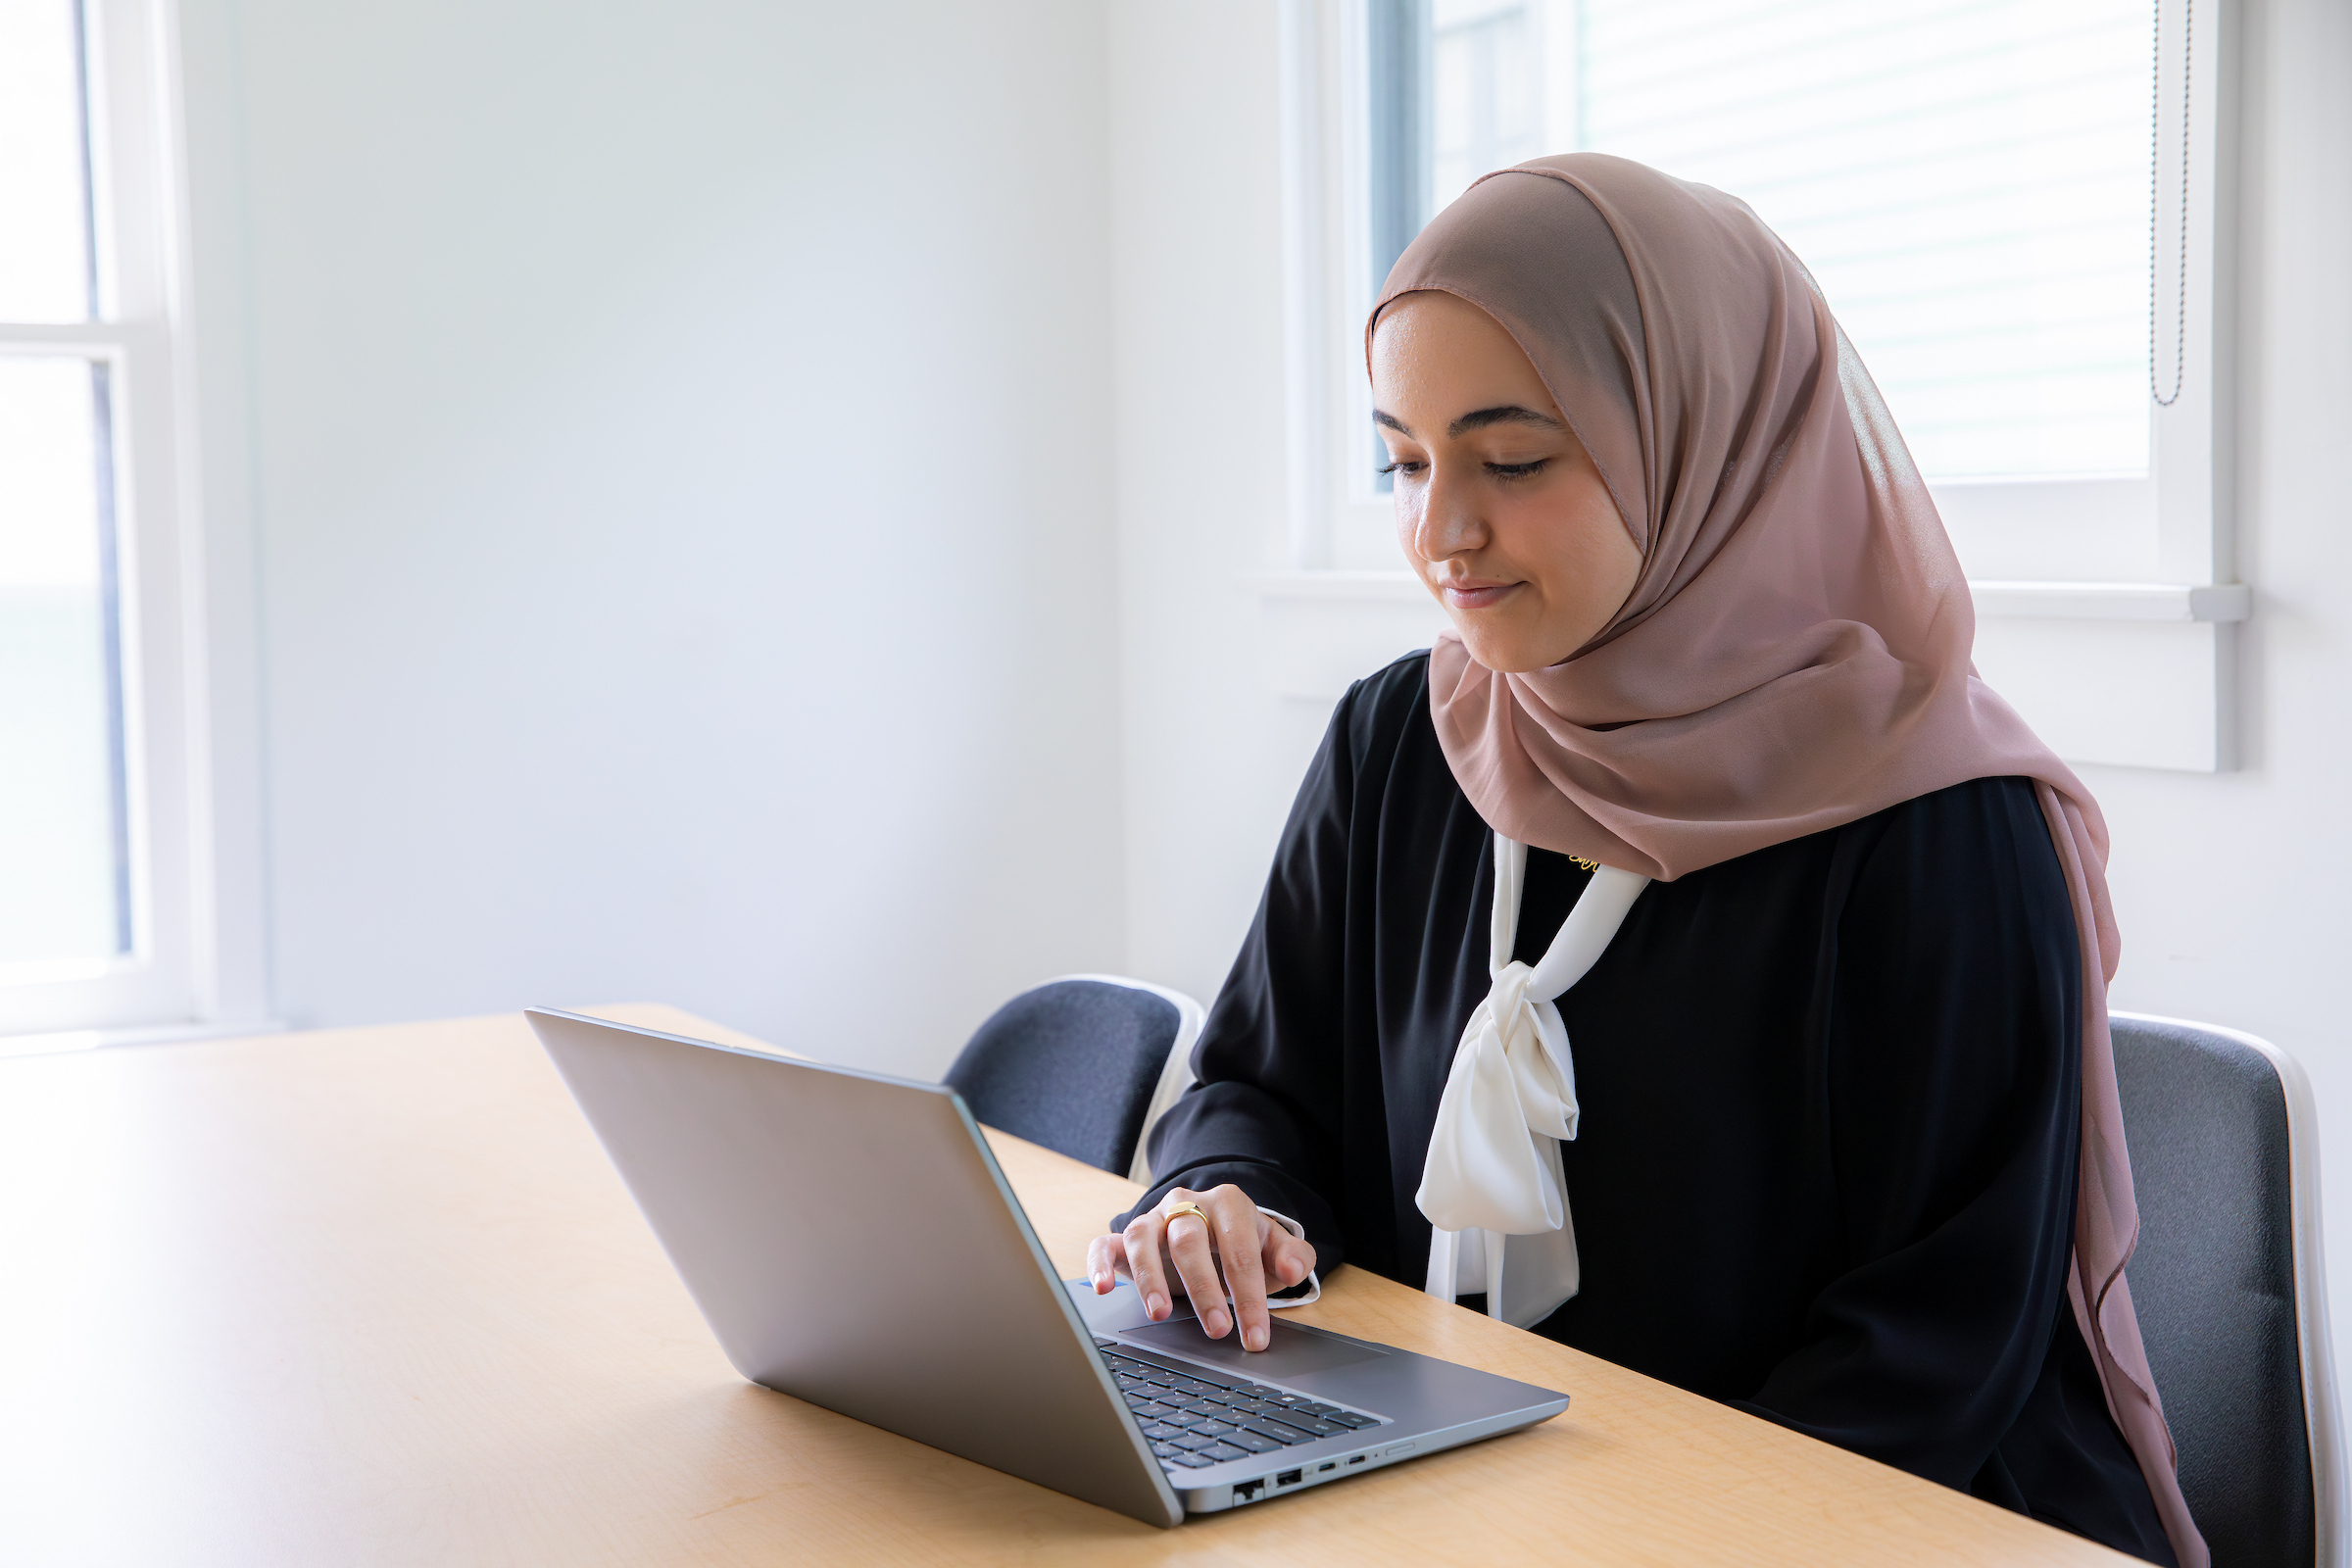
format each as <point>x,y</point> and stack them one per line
<point>850,1241</point>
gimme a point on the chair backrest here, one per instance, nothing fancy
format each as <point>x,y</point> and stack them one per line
<point>1078,1063</point>
<point>2229,1288</point>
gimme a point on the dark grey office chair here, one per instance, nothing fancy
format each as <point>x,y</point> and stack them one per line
<point>1084,1064</point>
<point>2231,1289</point>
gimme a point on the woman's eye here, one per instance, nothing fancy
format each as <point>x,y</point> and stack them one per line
<point>1517,470</point>
<point>1400,465</point>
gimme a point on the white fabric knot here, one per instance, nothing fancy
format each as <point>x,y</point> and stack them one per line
<point>1494,1166</point>
<point>1492,1161</point>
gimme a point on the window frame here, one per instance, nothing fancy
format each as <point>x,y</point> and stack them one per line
<point>195,962</point>
<point>2163,549</point>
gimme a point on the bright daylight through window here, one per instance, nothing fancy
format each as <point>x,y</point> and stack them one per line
<point>1969,182</point>
<point>66,894</point>
<point>2020,211</point>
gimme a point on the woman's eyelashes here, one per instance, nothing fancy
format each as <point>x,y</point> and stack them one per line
<point>1412,467</point>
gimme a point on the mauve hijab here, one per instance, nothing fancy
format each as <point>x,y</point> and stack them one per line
<point>1794,654</point>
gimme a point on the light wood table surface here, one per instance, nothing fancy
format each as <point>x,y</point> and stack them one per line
<point>375,1296</point>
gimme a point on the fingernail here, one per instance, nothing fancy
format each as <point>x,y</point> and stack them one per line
<point>1157,1307</point>
<point>1102,1284</point>
<point>1256,1339</point>
<point>1216,1324</point>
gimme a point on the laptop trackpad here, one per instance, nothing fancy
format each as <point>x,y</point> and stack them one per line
<point>1290,1352</point>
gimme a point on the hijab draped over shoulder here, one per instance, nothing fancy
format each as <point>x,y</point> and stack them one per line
<point>1794,652</point>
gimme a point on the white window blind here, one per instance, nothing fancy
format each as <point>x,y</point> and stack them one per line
<point>1969,182</point>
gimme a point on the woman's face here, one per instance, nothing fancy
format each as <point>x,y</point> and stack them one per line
<point>1498,507</point>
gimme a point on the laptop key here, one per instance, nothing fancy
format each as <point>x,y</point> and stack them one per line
<point>1314,1424</point>
<point>1287,1436</point>
<point>1161,1431</point>
<point>1166,1450</point>
<point>1211,1429</point>
<point>1351,1420</point>
<point>1193,1461</point>
<point>1224,1452</point>
<point>1253,1443</point>
<point>1194,1442</point>
<point>1311,1409</point>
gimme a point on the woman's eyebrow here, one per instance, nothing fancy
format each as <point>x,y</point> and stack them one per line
<point>1506,414</point>
<point>1477,420</point>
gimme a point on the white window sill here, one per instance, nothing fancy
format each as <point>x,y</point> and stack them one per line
<point>2009,601</point>
<point>2128,674</point>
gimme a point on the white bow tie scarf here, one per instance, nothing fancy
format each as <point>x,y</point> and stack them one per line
<point>1493,1168</point>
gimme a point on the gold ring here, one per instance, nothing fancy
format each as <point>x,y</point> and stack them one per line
<point>1169,1216</point>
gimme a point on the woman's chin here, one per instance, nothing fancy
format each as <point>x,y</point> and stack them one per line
<point>1505,656</point>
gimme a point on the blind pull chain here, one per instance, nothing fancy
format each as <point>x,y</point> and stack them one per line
<point>2189,20</point>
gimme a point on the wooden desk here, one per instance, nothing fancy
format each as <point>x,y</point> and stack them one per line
<point>373,1295</point>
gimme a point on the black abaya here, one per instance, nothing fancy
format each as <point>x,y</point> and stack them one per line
<point>1831,1097</point>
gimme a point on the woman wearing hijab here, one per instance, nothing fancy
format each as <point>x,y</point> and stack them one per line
<point>1687,958</point>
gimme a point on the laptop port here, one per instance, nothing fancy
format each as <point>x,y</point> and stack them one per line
<point>1358,1459</point>
<point>1289,1478</point>
<point>1247,1491</point>
<point>1327,1466</point>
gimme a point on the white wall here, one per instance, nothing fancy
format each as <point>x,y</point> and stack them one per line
<point>2232,889</point>
<point>679,474</point>
<point>1211,759</point>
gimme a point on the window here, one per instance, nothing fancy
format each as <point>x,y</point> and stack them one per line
<point>105,886</point>
<point>2014,207</point>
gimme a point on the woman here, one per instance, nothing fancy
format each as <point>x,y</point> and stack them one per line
<point>1701,782</point>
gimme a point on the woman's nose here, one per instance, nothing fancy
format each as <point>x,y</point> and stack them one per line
<point>1450,522</point>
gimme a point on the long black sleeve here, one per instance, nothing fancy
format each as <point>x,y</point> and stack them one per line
<point>1951,1095</point>
<point>1264,1115</point>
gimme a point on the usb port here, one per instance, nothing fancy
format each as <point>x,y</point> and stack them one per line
<point>1358,1459</point>
<point>1289,1478</point>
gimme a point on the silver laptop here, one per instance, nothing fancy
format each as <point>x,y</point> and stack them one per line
<point>850,1241</point>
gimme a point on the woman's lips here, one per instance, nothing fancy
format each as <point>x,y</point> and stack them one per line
<point>1475,595</point>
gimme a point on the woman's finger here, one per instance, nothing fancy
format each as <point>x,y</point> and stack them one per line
<point>1293,1257</point>
<point>1142,1240</point>
<point>1191,1250</point>
<point>1105,1261</point>
<point>1241,1245</point>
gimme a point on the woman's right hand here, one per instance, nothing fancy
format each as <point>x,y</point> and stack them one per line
<point>1230,1254</point>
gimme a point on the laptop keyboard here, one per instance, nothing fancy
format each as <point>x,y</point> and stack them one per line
<point>1196,1417</point>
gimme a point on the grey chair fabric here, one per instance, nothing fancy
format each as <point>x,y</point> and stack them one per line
<point>1071,1065</point>
<point>2215,1279</point>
